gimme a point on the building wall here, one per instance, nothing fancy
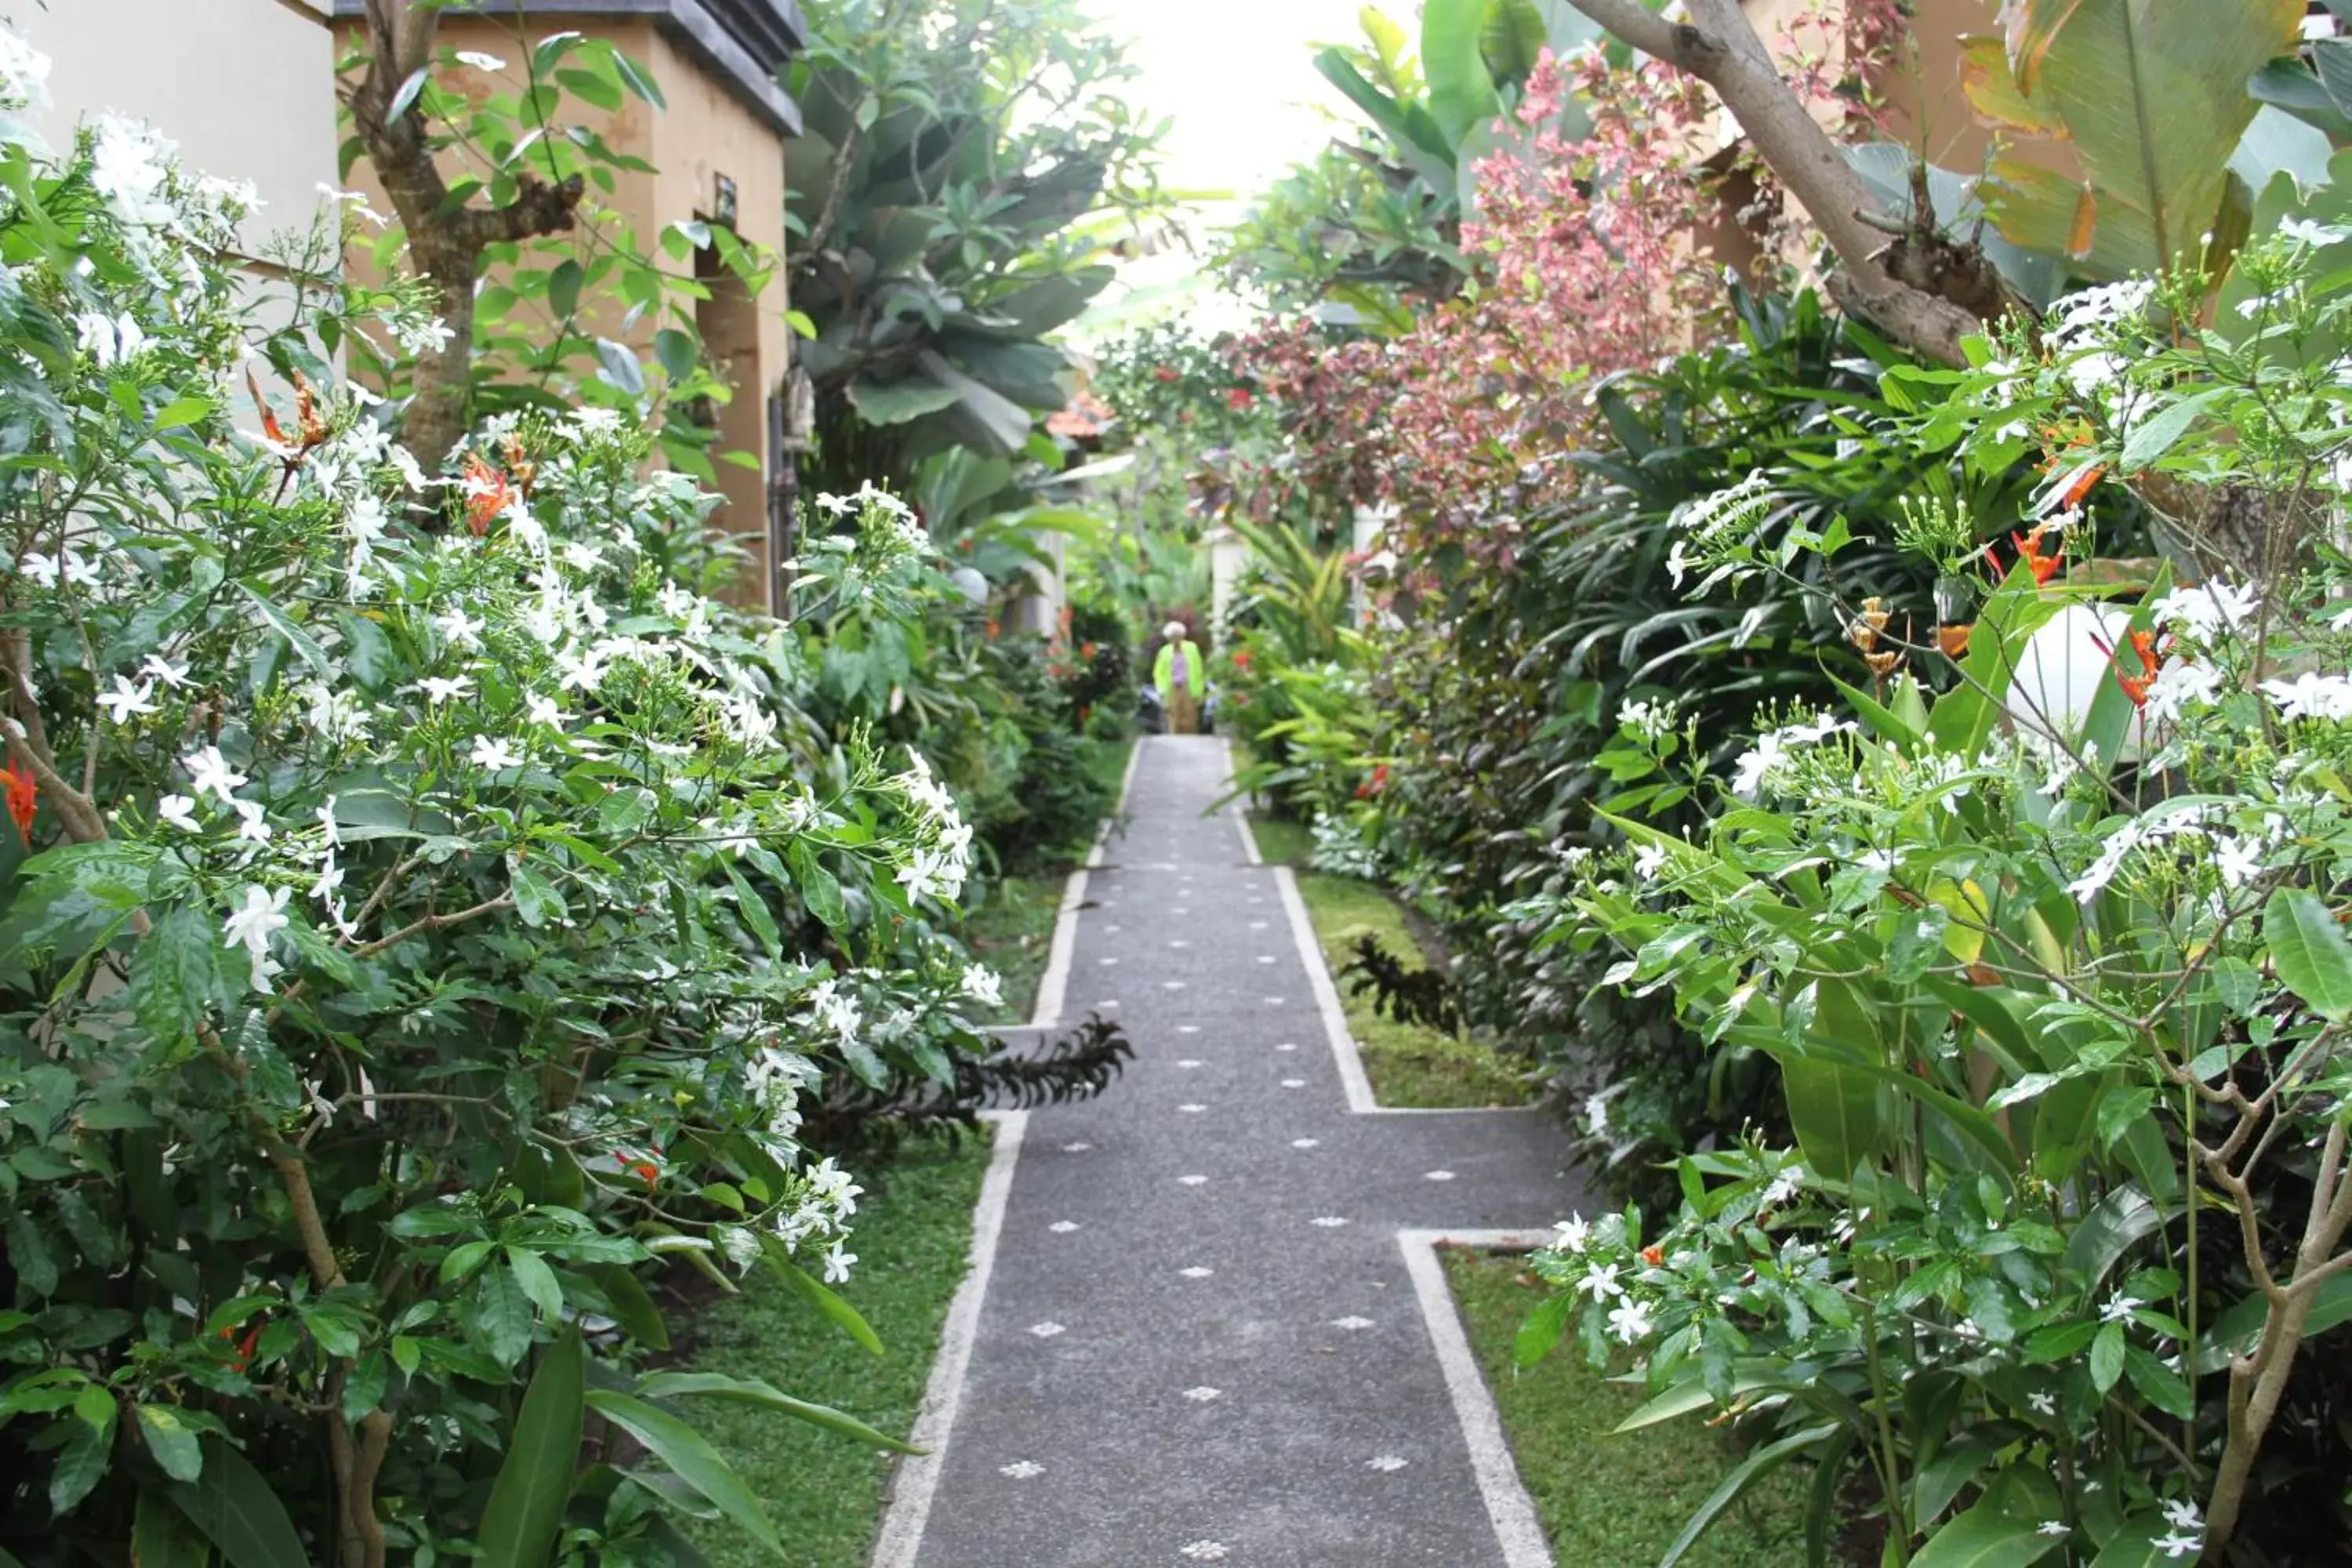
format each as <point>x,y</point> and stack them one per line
<point>705,131</point>
<point>262,109</point>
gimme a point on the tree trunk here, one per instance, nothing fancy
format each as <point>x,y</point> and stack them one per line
<point>445,242</point>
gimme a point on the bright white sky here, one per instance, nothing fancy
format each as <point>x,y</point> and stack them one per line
<point>1238,77</point>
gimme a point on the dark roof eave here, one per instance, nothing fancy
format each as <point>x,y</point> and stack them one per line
<point>742,43</point>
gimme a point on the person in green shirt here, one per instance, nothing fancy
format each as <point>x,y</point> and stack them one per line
<point>1182,675</point>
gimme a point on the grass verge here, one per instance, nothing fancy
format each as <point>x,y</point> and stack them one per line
<point>1408,1064</point>
<point>1609,1500</point>
<point>913,1238</point>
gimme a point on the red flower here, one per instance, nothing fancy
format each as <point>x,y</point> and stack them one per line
<point>1654,1254</point>
<point>1241,659</point>
<point>2043,563</point>
<point>22,791</point>
<point>1237,397</point>
<point>1165,372</point>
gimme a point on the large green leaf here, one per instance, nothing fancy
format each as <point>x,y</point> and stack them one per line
<point>161,1536</point>
<point>2152,97</point>
<point>753,1391</point>
<point>1760,1462</point>
<point>1412,132</point>
<point>691,1458</point>
<point>239,1512</point>
<point>842,1315</point>
<point>1834,1109</point>
<point>2309,951</point>
<point>1461,89</point>
<point>897,402</point>
<point>1989,1535</point>
<point>1511,40</point>
<point>526,1507</point>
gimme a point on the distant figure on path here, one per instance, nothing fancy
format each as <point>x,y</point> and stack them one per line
<point>1181,676</point>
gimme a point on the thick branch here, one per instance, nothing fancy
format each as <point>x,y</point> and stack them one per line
<point>444,243</point>
<point>1720,47</point>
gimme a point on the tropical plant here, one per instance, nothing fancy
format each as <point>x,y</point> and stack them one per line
<point>1504,687</point>
<point>953,201</point>
<point>2053,971</point>
<point>393,914</point>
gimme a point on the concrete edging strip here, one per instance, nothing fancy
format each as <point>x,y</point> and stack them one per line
<point>918,1476</point>
<point>1516,1529</point>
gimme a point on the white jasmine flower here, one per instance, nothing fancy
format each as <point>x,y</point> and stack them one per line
<point>250,926</point>
<point>1600,1281</point>
<point>418,335</point>
<point>2306,231</point>
<point>330,878</point>
<point>2102,871</point>
<point>2183,1514</point>
<point>1630,1321</point>
<point>2042,1404</point>
<point>2053,1527</point>
<point>2177,1545</point>
<point>981,985</point>
<point>1784,1186</point>
<point>1649,859</point>
<point>439,689</point>
<point>2239,861</point>
<point>1747,773</point>
<point>837,1264</point>
<point>161,668</point>
<point>2312,695</point>
<point>581,556</point>
<point>461,629</point>
<point>2215,607</point>
<point>2120,1310</point>
<point>1575,1232</point>
<point>541,708</point>
<point>24,73</point>
<point>209,773</point>
<point>675,602</point>
<point>495,754</point>
<point>180,811</point>
<point>251,820</point>
<point>2178,683</point>
<point>481,61</point>
<point>126,699</point>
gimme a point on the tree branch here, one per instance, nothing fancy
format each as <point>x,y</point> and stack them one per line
<point>1719,47</point>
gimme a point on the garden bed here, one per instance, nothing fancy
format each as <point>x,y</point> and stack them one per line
<point>1607,1499</point>
<point>913,1233</point>
<point>1408,1064</point>
<point>1013,932</point>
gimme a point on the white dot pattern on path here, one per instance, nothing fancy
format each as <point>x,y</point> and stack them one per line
<point>1438,1176</point>
<point>1057,1368</point>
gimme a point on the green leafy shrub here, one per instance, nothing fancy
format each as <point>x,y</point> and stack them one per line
<point>419,918</point>
<point>2053,971</point>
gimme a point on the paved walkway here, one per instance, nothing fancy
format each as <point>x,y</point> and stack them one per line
<point>1200,1338</point>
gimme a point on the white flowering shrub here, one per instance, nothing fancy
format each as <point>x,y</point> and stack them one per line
<point>418,915</point>
<point>2052,965</point>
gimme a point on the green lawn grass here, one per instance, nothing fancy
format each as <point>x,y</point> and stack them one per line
<point>1407,1063</point>
<point>1609,1500</point>
<point>913,1239</point>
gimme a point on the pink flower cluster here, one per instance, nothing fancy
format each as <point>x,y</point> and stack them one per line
<point>1593,259</point>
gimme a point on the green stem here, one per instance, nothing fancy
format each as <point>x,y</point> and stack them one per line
<point>1890,1470</point>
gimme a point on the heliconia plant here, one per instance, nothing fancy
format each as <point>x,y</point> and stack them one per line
<point>2055,977</point>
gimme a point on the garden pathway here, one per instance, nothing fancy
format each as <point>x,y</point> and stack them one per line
<point>1203,1330</point>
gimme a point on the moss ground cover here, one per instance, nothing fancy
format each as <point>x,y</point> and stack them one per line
<point>1408,1064</point>
<point>1609,1500</point>
<point>914,1237</point>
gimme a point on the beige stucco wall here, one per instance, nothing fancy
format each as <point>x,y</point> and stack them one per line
<point>245,87</point>
<point>705,131</point>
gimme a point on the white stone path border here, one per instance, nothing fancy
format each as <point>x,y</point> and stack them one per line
<point>917,1480</point>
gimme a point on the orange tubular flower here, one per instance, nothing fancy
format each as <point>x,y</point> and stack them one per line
<point>488,494</point>
<point>22,791</point>
<point>2043,565</point>
<point>2135,686</point>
